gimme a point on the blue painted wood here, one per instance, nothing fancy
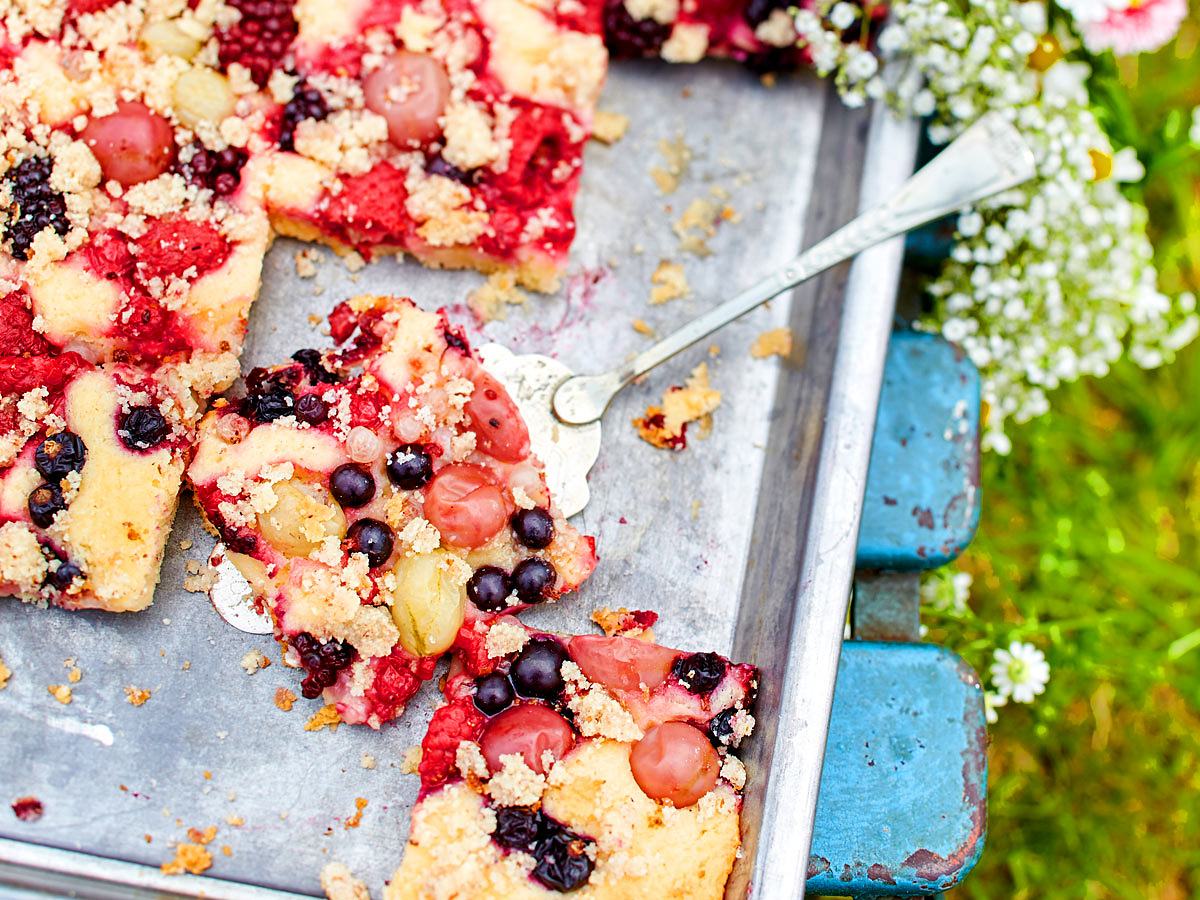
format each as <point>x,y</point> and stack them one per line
<point>902,809</point>
<point>921,505</point>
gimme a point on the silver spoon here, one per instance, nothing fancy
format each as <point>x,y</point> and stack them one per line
<point>562,410</point>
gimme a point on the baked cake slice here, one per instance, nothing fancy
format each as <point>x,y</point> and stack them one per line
<point>378,496</point>
<point>452,130</point>
<point>599,765</point>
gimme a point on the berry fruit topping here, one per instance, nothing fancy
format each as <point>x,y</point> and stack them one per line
<point>45,501</point>
<point>322,662</point>
<point>64,576</point>
<point>699,672</point>
<point>306,103</point>
<point>675,761</point>
<point>410,91</point>
<point>37,205</point>
<point>529,730</point>
<point>532,578</point>
<point>537,670</point>
<point>267,405</point>
<point>499,428</point>
<point>630,37</point>
<point>488,588</point>
<point>260,38</point>
<point>314,366</point>
<point>312,409</point>
<point>352,485</point>
<point>218,170</point>
<point>533,527</point>
<point>466,505</point>
<point>623,664</point>
<point>59,455</point>
<point>517,827</point>
<point>132,145</point>
<point>493,693</point>
<point>372,537</point>
<point>562,861</point>
<point>720,729</point>
<point>143,427</point>
<point>409,467</point>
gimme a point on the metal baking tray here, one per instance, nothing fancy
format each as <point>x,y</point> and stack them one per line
<point>744,542</point>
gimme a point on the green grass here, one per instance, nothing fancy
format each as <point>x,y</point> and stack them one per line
<point>1089,547</point>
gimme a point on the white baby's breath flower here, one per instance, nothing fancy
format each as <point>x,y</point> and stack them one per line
<point>1020,671</point>
<point>842,15</point>
<point>1194,131</point>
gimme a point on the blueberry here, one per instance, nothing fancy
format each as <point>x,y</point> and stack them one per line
<point>44,501</point>
<point>699,672</point>
<point>493,693</point>
<point>720,729</point>
<point>489,588</point>
<point>531,578</point>
<point>537,670</point>
<point>533,527</point>
<point>65,575</point>
<point>517,827</point>
<point>312,409</point>
<point>372,537</point>
<point>562,861</point>
<point>409,467</point>
<point>352,485</point>
<point>267,406</point>
<point>143,427</point>
<point>59,455</point>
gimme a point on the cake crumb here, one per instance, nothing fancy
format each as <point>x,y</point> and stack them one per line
<point>696,504</point>
<point>353,261</point>
<point>697,224</point>
<point>192,858</point>
<point>200,579</point>
<point>284,699</point>
<point>339,883</point>
<point>306,262</point>
<point>623,622</point>
<point>5,674</point>
<point>226,850</point>
<point>776,342</point>
<point>505,637</point>
<point>677,156</point>
<point>367,761</point>
<point>609,127</point>
<point>670,283</point>
<point>61,693</point>
<point>253,661</point>
<point>642,327</point>
<point>235,821</point>
<point>185,544</point>
<point>136,696</point>
<point>325,717</point>
<point>490,300</point>
<point>665,426</point>
<point>360,804</point>
<point>411,760</point>
<point>205,837</point>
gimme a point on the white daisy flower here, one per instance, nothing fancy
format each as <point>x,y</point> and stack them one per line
<point>1020,672</point>
<point>992,701</point>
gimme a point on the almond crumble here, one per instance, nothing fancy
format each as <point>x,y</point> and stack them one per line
<point>776,342</point>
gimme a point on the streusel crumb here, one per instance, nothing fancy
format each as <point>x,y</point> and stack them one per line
<point>609,127</point>
<point>776,342</point>
<point>325,717</point>
<point>339,883</point>
<point>136,696</point>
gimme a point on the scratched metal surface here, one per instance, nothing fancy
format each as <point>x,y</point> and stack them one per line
<point>674,531</point>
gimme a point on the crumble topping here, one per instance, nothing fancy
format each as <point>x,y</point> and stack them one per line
<point>779,29</point>
<point>504,637</point>
<point>136,696</point>
<point>367,761</point>
<point>61,693</point>
<point>284,699</point>
<point>339,883</point>
<point>469,761</point>
<point>489,301</point>
<point>597,712</point>
<point>253,661</point>
<point>687,44</point>
<point>515,784</point>
<point>421,537</point>
<point>776,342</point>
<point>677,156</point>
<point>670,283</point>
<point>21,561</point>
<point>325,717</point>
<point>5,674</point>
<point>411,760</point>
<point>665,426</point>
<point>662,11</point>
<point>733,771</point>
<point>189,857</point>
<point>609,127</point>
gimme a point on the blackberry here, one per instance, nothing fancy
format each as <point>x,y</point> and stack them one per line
<point>59,455</point>
<point>36,205</point>
<point>143,427</point>
<point>260,39</point>
<point>628,37</point>
<point>218,170</point>
<point>45,501</point>
<point>699,672</point>
<point>562,860</point>
<point>321,661</point>
<point>306,103</point>
<point>533,527</point>
<point>438,166</point>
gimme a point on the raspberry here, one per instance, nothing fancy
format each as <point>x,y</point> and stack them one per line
<point>397,678</point>
<point>219,171</point>
<point>37,205</point>
<point>370,207</point>
<point>108,256</point>
<point>17,336</point>
<point>306,103</point>
<point>173,246</point>
<point>20,374</point>
<point>260,39</point>
<point>457,721</point>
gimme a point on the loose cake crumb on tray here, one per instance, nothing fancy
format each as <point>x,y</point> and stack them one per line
<point>665,426</point>
<point>776,342</point>
<point>669,283</point>
<point>609,127</point>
